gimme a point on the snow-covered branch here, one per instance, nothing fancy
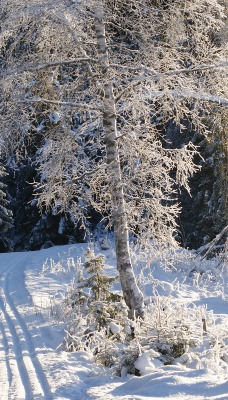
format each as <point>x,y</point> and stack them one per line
<point>46,65</point>
<point>190,95</point>
<point>62,103</point>
<point>210,246</point>
<point>63,20</point>
<point>140,68</point>
<point>156,74</point>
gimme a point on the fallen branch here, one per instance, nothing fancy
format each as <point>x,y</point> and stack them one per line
<point>210,246</point>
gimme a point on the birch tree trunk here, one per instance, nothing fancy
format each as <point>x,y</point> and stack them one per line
<point>131,292</point>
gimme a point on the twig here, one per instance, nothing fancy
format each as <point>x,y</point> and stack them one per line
<point>50,64</point>
<point>61,103</point>
<point>158,75</point>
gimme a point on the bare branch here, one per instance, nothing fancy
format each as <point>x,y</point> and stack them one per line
<point>195,69</point>
<point>191,95</point>
<point>61,103</point>
<point>62,19</point>
<point>205,97</point>
<point>87,60</point>
<point>158,75</point>
<point>210,246</point>
<point>50,64</point>
<point>155,94</point>
<point>84,174</point>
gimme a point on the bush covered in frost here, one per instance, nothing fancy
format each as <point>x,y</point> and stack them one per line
<point>171,332</point>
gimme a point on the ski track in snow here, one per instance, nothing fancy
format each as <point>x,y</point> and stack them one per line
<point>32,367</point>
<point>23,377</point>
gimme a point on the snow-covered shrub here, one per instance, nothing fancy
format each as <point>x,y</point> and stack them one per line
<point>170,327</point>
<point>212,353</point>
<point>174,330</point>
<point>97,321</point>
<point>62,265</point>
<point>119,355</point>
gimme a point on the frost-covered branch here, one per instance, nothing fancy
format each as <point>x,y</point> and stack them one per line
<point>157,74</point>
<point>63,20</point>
<point>49,64</point>
<point>62,103</point>
<point>210,246</point>
<point>190,95</point>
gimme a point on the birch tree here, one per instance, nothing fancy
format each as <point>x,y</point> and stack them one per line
<point>104,78</point>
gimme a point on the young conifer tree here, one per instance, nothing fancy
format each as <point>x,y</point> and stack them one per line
<point>120,72</point>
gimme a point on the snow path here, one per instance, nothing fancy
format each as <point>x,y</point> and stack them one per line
<point>23,376</point>
<point>34,367</point>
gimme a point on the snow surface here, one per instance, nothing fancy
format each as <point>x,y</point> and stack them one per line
<point>33,365</point>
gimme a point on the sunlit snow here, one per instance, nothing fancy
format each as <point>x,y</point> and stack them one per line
<point>34,366</point>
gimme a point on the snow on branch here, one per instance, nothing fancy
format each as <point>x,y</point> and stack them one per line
<point>154,94</point>
<point>157,74</point>
<point>84,175</point>
<point>62,103</point>
<point>195,69</point>
<point>50,64</point>
<point>191,95</point>
<point>210,246</point>
<point>151,72</point>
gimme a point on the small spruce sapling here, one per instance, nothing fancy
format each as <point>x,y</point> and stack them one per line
<point>99,283</point>
<point>91,307</point>
<point>102,302</point>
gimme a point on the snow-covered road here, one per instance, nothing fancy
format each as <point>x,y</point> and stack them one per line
<point>34,367</point>
<point>22,375</point>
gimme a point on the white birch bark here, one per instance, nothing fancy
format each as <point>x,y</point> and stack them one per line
<point>132,295</point>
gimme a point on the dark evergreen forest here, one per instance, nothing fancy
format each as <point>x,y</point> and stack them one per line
<point>204,214</point>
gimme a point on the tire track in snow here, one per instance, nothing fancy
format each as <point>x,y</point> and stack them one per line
<point>6,378</point>
<point>18,355</point>
<point>25,373</point>
<point>12,380</point>
<point>6,351</point>
<point>41,377</point>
